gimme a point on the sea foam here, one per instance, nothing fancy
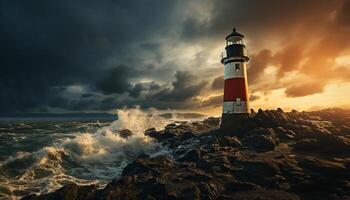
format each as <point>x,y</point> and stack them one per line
<point>86,158</point>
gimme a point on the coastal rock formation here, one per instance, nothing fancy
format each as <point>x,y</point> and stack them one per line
<point>272,155</point>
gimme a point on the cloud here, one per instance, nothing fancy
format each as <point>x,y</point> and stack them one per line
<point>304,89</point>
<point>218,83</point>
<point>288,59</point>
<point>162,54</point>
<point>258,63</point>
<point>214,101</point>
<point>116,80</point>
<point>183,88</point>
<point>253,97</point>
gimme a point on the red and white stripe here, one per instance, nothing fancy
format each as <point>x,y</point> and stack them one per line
<point>236,88</point>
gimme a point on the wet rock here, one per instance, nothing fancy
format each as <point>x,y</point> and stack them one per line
<point>138,167</point>
<point>125,133</point>
<point>191,156</point>
<point>229,141</point>
<point>160,135</point>
<point>187,135</point>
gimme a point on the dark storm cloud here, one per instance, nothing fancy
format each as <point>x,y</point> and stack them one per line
<point>116,80</point>
<point>268,17</point>
<point>47,44</point>
<point>136,90</point>
<point>183,88</point>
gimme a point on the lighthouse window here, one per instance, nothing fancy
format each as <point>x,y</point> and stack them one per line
<point>237,67</point>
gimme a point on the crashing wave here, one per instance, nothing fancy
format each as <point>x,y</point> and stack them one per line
<point>87,158</point>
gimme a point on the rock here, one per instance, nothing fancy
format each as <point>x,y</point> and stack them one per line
<point>270,118</point>
<point>212,122</point>
<point>209,190</point>
<point>280,110</point>
<point>262,195</point>
<point>153,188</point>
<point>170,126</point>
<point>68,192</point>
<point>328,168</point>
<point>191,156</point>
<point>306,145</point>
<point>262,139</point>
<point>190,193</point>
<point>263,168</point>
<point>237,186</point>
<point>284,135</point>
<point>187,135</point>
<point>138,167</point>
<point>152,133</point>
<point>160,135</point>
<point>125,133</point>
<point>324,143</point>
<point>229,141</point>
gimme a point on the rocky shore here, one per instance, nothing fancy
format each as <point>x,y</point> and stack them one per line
<point>272,155</point>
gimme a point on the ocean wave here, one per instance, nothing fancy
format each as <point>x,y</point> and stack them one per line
<point>87,158</point>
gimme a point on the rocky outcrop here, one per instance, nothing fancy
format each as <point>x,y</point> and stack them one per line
<point>272,155</point>
<point>125,133</point>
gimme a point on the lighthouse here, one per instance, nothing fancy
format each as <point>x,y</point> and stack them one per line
<point>236,103</point>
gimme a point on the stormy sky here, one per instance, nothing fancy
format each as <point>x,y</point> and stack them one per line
<point>73,56</point>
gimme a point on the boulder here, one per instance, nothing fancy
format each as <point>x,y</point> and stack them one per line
<point>160,135</point>
<point>326,168</point>
<point>212,122</point>
<point>191,156</point>
<point>261,139</point>
<point>138,167</point>
<point>125,133</point>
<point>284,135</point>
<point>229,141</point>
<point>237,186</point>
<point>324,143</point>
<point>306,145</point>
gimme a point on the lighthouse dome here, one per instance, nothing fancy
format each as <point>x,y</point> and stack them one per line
<point>234,34</point>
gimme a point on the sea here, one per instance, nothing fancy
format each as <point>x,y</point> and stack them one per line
<point>42,155</point>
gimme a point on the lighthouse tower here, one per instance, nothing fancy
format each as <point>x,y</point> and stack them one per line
<point>236,102</point>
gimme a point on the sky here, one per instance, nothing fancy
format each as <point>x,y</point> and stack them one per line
<point>94,56</point>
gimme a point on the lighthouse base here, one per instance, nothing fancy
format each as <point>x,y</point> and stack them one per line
<point>231,123</point>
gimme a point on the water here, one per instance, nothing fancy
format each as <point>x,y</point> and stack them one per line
<point>41,156</point>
